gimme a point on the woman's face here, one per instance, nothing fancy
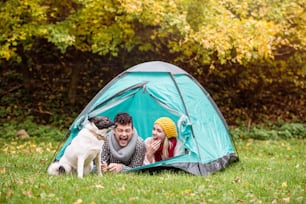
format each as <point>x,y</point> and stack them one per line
<point>158,133</point>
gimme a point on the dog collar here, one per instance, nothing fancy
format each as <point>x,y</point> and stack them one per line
<point>99,137</point>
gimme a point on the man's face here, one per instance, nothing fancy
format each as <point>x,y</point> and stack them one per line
<point>123,134</point>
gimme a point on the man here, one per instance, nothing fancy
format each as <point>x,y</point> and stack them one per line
<point>124,149</point>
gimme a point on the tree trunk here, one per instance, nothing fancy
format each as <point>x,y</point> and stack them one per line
<point>72,89</point>
<point>27,81</point>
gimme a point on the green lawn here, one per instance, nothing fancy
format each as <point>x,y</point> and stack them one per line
<point>268,172</point>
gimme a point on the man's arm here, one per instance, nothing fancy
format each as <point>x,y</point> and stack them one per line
<point>105,154</point>
<point>138,157</point>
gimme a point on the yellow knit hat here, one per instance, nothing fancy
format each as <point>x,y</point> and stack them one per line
<point>168,126</point>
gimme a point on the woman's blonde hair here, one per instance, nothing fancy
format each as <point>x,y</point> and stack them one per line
<point>166,146</point>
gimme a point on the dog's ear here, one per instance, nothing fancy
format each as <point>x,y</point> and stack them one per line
<point>102,122</point>
<point>93,119</point>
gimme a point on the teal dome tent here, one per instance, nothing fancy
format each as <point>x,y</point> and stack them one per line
<point>154,89</point>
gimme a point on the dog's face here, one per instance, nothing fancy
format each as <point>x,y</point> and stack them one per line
<point>102,122</point>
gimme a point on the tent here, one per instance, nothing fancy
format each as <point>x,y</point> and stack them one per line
<point>153,89</point>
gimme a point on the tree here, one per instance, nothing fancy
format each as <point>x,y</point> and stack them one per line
<point>247,45</point>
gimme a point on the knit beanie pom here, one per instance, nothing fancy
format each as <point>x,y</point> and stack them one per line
<point>168,126</point>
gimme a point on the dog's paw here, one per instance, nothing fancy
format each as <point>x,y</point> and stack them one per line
<point>53,169</point>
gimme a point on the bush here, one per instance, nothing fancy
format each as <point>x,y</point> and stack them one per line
<point>271,131</point>
<point>41,132</point>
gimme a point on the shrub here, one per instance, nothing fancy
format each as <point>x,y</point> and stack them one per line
<point>41,132</point>
<point>270,131</point>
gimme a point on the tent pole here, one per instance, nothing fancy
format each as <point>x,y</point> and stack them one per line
<point>201,170</point>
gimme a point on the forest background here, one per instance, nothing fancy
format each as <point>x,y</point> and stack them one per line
<point>249,55</point>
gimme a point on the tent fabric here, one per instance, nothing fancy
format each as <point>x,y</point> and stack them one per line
<point>156,89</point>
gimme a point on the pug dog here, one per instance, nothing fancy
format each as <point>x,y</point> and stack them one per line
<point>84,150</point>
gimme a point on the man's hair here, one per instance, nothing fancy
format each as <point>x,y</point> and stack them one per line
<point>123,119</point>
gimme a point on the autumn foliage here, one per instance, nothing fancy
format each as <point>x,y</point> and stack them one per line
<point>249,55</point>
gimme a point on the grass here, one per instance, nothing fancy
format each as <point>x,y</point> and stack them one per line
<point>268,172</point>
<point>271,170</point>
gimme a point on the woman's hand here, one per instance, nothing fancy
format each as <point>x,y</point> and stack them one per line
<point>152,148</point>
<point>155,144</point>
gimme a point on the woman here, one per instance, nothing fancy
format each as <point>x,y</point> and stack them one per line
<point>164,143</point>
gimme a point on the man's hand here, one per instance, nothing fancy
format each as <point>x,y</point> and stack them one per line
<point>104,166</point>
<point>114,167</point>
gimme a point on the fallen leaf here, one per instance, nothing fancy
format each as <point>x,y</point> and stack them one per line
<point>45,196</point>
<point>5,149</point>
<point>237,180</point>
<point>20,182</point>
<point>286,200</point>
<point>9,193</point>
<point>99,186</point>
<point>201,188</point>
<point>187,191</point>
<point>39,150</point>
<point>132,198</point>
<point>2,170</point>
<point>28,193</point>
<point>79,201</point>
<point>284,184</point>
